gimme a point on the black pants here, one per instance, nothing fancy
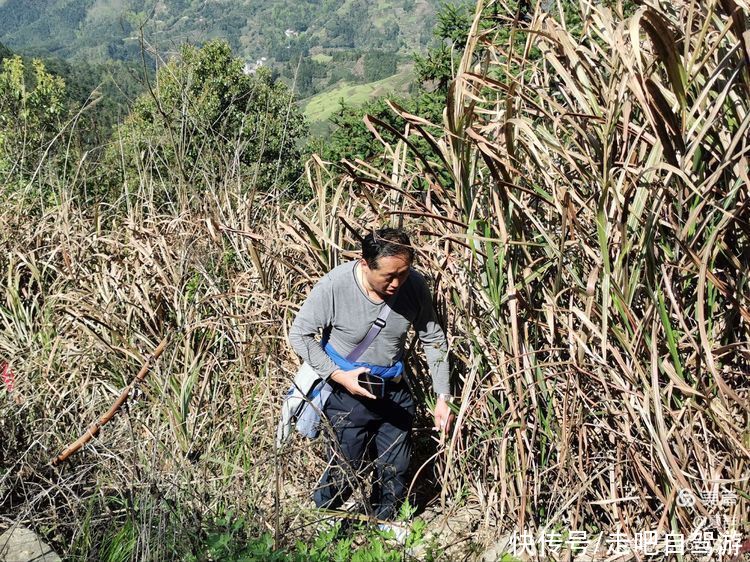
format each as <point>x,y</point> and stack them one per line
<point>362,425</point>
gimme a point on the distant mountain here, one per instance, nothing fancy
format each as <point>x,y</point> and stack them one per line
<point>279,30</point>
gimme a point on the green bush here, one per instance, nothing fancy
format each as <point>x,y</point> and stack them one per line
<point>204,117</point>
<point>228,541</point>
<point>31,111</point>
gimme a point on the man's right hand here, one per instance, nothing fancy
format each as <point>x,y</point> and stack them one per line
<point>350,381</point>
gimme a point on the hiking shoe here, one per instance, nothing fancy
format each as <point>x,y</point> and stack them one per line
<point>394,531</point>
<point>334,528</point>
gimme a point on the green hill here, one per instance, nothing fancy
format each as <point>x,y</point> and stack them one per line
<point>321,106</point>
<point>320,42</point>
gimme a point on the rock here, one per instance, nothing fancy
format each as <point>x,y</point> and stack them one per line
<point>497,551</point>
<point>19,544</point>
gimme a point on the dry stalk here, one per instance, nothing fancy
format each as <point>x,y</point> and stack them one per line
<point>93,430</point>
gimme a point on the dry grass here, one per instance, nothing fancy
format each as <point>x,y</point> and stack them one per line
<point>583,215</point>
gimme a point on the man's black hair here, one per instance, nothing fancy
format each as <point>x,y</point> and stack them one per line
<point>386,242</point>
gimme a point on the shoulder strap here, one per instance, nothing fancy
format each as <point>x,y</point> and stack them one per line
<point>378,325</point>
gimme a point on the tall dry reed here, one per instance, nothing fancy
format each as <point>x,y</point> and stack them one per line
<point>582,212</point>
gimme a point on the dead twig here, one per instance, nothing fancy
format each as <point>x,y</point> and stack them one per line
<point>101,422</point>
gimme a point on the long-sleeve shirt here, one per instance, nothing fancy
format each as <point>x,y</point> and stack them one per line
<point>339,308</point>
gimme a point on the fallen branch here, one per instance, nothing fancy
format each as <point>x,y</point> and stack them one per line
<point>97,425</point>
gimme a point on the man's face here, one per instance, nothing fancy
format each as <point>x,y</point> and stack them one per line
<point>390,274</point>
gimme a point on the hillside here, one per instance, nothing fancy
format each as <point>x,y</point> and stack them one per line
<point>578,202</point>
<point>277,33</point>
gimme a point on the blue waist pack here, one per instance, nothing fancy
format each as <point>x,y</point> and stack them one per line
<point>304,401</point>
<point>310,410</point>
<point>391,372</point>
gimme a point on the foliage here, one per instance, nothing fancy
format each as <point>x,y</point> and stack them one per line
<point>350,138</point>
<point>582,215</point>
<point>322,106</point>
<point>105,89</point>
<point>378,65</point>
<point>97,31</point>
<point>438,65</point>
<point>596,197</point>
<point>205,116</point>
<point>31,112</point>
<point>359,543</point>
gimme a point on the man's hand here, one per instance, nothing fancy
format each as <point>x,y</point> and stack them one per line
<point>443,416</point>
<point>350,381</point>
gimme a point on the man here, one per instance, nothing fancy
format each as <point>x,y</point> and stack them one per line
<point>343,305</point>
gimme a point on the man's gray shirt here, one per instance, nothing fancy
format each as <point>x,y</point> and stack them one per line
<point>340,307</point>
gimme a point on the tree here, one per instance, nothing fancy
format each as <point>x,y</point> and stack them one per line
<point>204,117</point>
<point>5,52</point>
<point>378,65</point>
<point>451,33</point>
<point>351,139</point>
<point>30,114</point>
